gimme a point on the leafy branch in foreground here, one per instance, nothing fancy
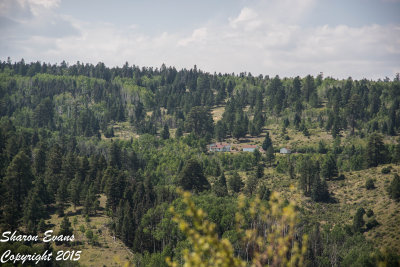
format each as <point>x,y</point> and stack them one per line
<point>271,235</point>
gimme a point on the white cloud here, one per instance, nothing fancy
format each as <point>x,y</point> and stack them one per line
<point>197,36</point>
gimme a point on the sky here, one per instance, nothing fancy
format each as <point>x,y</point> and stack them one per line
<point>340,38</point>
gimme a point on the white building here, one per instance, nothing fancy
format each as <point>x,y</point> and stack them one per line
<point>284,150</point>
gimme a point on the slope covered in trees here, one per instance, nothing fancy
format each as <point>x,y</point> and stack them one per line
<point>60,148</point>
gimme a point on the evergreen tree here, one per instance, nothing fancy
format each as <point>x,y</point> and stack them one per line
<point>396,153</point>
<point>319,190</point>
<point>297,121</point>
<point>200,122</point>
<point>376,150</point>
<point>65,229</point>
<point>33,210</point>
<point>16,184</point>
<point>251,185</point>
<point>394,188</point>
<point>127,225</point>
<point>260,171</point>
<point>165,132</point>
<point>115,155</point>
<point>308,87</point>
<point>263,192</point>
<point>62,197</point>
<point>75,190</point>
<point>353,111</point>
<point>270,155</point>
<point>309,171</point>
<point>53,171</point>
<point>179,132</point>
<point>69,167</point>
<point>358,221</point>
<point>42,190</point>
<point>220,131</point>
<point>235,182</point>
<point>91,203</point>
<point>192,177</point>
<point>267,142</point>
<point>39,162</point>
<point>114,186</point>
<point>220,189</point>
<point>329,168</point>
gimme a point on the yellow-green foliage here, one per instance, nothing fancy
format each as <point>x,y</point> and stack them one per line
<point>271,235</point>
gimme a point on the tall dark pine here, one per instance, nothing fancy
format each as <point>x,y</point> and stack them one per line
<point>358,221</point>
<point>34,210</point>
<point>192,177</point>
<point>16,184</point>
<point>329,167</point>
<point>220,189</point>
<point>200,122</point>
<point>62,197</point>
<point>39,162</point>
<point>54,167</point>
<point>376,150</point>
<point>165,132</point>
<point>235,183</point>
<point>267,142</point>
<point>319,191</point>
<point>353,111</point>
<point>65,228</point>
<point>394,188</point>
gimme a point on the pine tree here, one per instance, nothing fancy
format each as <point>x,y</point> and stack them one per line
<point>251,185</point>
<point>42,190</point>
<point>309,171</point>
<point>270,155</point>
<point>376,150</point>
<point>127,225</point>
<point>34,210</point>
<point>39,162</point>
<point>235,182</point>
<point>396,153</point>
<point>319,190</point>
<point>263,192</point>
<point>65,229</point>
<point>115,155</point>
<point>394,188</point>
<point>267,142</point>
<point>179,132</point>
<point>69,167</point>
<point>192,177</point>
<point>91,204</point>
<point>16,184</point>
<point>75,190</point>
<point>114,185</point>
<point>62,197</point>
<point>220,189</point>
<point>260,171</point>
<point>165,132</point>
<point>220,130</point>
<point>53,171</point>
<point>329,168</point>
<point>358,221</point>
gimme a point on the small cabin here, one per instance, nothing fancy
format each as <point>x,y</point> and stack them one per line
<point>285,150</point>
<point>249,148</point>
<point>220,147</point>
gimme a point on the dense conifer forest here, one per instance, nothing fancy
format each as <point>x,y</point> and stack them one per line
<point>82,142</point>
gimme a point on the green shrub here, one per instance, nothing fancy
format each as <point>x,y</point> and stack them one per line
<point>370,213</point>
<point>386,170</point>
<point>371,224</point>
<point>369,184</point>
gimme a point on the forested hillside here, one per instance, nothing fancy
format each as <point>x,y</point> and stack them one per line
<point>75,136</point>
